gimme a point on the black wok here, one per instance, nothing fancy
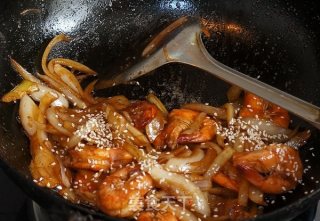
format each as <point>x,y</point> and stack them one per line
<point>277,41</point>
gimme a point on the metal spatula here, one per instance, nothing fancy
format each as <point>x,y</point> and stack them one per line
<point>181,42</point>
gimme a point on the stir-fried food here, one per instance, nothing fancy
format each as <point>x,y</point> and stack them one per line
<point>136,159</point>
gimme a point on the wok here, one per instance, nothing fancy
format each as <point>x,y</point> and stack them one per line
<point>277,41</point>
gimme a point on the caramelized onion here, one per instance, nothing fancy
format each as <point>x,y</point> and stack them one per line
<point>182,213</point>
<point>272,132</point>
<point>66,181</point>
<point>68,78</point>
<point>182,164</point>
<point>196,124</point>
<point>243,193</point>
<point>212,111</point>
<point>256,195</point>
<point>48,49</point>
<point>25,87</point>
<point>28,112</point>
<point>87,93</point>
<point>219,161</point>
<point>234,93</point>
<point>176,183</point>
<point>119,102</point>
<point>52,118</point>
<point>156,101</point>
<point>61,101</point>
<point>124,129</point>
<point>204,184</point>
<point>23,72</point>
<point>74,98</point>
<point>299,139</point>
<point>74,65</point>
<point>203,165</point>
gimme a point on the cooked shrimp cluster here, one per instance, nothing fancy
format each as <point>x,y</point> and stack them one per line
<point>136,159</point>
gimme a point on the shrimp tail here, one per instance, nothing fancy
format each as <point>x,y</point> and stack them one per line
<point>252,175</point>
<point>225,181</point>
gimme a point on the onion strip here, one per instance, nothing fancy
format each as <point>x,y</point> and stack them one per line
<point>182,213</point>
<point>234,93</point>
<point>52,118</point>
<point>74,65</point>
<point>243,193</point>
<point>48,49</point>
<point>68,78</point>
<point>23,72</point>
<point>73,98</point>
<point>219,161</point>
<point>177,183</point>
<point>210,110</point>
<point>25,87</point>
<point>156,101</point>
<point>28,112</point>
<point>88,91</point>
<point>182,164</point>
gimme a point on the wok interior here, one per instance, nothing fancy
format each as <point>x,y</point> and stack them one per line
<point>275,41</point>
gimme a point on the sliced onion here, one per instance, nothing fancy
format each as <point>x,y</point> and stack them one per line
<point>165,156</point>
<point>61,101</point>
<point>204,185</point>
<point>220,140</point>
<point>219,161</point>
<point>213,146</point>
<point>212,111</point>
<point>124,129</point>
<point>256,195</point>
<point>181,213</point>
<point>243,193</point>
<point>229,111</point>
<point>299,139</point>
<point>73,98</point>
<point>28,112</point>
<point>23,72</point>
<point>178,184</point>
<point>270,131</point>
<point>73,141</point>
<point>67,77</point>
<point>52,117</point>
<point>119,102</point>
<point>182,164</point>
<point>156,101</point>
<point>64,178</point>
<point>196,124</point>
<point>234,93</point>
<point>141,139</point>
<point>87,93</point>
<point>203,165</point>
<point>25,87</point>
<point>74,65</point>
<point>48,49</point>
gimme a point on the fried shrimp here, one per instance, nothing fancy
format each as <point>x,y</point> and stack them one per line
<point>120,193</point>
<point>96,159</point>
<point>86,184</point>
<point>275,169</point>
<point>254,106</point>
<point>179,121</point>
<point>142,113</point>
